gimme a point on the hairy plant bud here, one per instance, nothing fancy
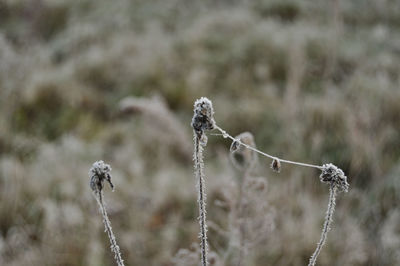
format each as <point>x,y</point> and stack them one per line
<point>99,173</point>
<point>203,117</point>
<point>335,176</point>
<point>276,165</point>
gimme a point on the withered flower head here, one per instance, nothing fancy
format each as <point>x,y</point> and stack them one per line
<point>99,173</point>
<point>335,176</point>
<point>203,117</point>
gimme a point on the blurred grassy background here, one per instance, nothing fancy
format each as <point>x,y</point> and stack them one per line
<point>313,81</point>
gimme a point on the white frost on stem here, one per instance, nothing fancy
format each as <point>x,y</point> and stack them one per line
<point>199,172</point>
<point>108,229</point>
<point>327,224</point>
<point>99,173</point>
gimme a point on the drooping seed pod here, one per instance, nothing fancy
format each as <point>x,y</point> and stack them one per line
<point>235,145</point>
<point>276,165</point>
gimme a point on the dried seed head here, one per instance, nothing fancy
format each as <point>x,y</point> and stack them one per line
<point>99,172</point>
<point>335,176</point>
<point>234,146</point>
<point>203,117</point>
<point>276,165</point>
<point>241,157</point>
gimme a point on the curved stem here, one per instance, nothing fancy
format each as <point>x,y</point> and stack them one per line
<point>226,135</point>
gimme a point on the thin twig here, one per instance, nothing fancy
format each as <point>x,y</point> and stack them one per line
<point>99,173</point>
<point>226,135</point>
<point>202,120</point>
<point>107,225</point>
<point>327,224</point>
<point>199,165</point>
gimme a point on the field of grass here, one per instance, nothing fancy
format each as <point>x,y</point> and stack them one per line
<point>313,81</point>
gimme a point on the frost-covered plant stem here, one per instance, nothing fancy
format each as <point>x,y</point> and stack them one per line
<point>108,229</point>
<point>337,181</point>
<point>99,173</point>
<point>327,224</point>
<point>202,120</point>
<point>199,172</point>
